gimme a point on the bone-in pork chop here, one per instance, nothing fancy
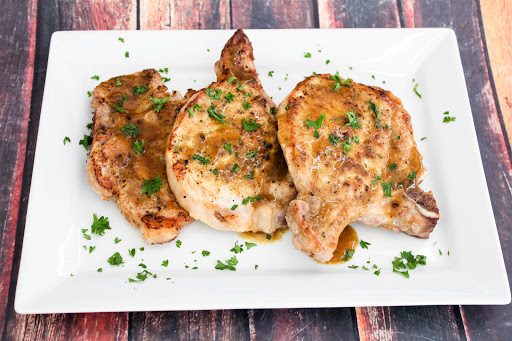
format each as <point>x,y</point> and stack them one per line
<point>351,152</point>
<point>132,120</point>
<point>224,164</point>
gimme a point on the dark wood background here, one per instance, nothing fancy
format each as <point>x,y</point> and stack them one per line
<point>484,33</point>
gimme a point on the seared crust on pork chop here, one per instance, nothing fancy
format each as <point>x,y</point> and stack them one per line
<point>224,164</point>
<point>116,170</point>
<point>351,152</point>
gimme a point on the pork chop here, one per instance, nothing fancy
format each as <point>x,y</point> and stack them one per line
<point>126,162</point>
<point>351,152</point>
<point>224,164</point>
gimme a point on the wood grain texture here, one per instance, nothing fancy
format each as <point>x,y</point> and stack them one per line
<point>190,325</point>
<point>358,13</point>
<point>17,38</point>
<point>480,322</point>
<point>184,15</point>
<point>52,16</point>
<point>497,21</point>
<point>303,324</point>
<point>274,14</point>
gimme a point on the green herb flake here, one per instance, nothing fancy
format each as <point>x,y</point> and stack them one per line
<point>231,79</point>
<point>165,263</point>
<point>117,240</point>
<point>251,199</point>
<point>235,168</point>
<point>246,105</point>
<point>251,153</point>
<point>131,130</point>
<point>412,175</point>
<point>214,94</point>
<point>89,94</point>
<point>229,97</point>
<point>227,146</point>
<point>334,140</point>
<point>423,138</point>
<point>152,186</point>
<point>217,116</point>
<point>96,77</point>
<point>364,244</point>
<point>127,54</point>
<point>316,124</point>
<point>234,207</point>
<point>352,120</point>
<point>229,264</point>
<point>386,188</point>
<point>91,248</point>
<point>202,160</point>
<point>250,125</point>
<point>115,259</point>
<point>139,89</point>
<point>66,139</point>
<point>250,245</point>
<point>327,61</point>
<point>131,252</point>
<point>353,266</point>
<point>348,255</point>
<point>307,55</point>
<point>158,102</point>
<point>416,91</point>
<point>118,82</point>
<point>138,147</point>
<point>205,253</point>
<point>393,166</point>
<point>178,244</point>
<point>215,171</point>
<point>165,79</point>
<point>100,225</point>
<point>377,273</point>
<point>121,40</point>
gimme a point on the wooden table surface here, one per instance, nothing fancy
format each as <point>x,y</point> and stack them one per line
<point>484,33</point>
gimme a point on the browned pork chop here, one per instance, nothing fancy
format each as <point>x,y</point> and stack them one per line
<point>351,152</point>
<point>120,167</point>
<point>224,164</point>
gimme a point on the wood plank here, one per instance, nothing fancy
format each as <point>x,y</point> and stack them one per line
<point>388,323</point>
<point>184,15</point>
<point>497,21</point>
<point>480,322</point>
<point>17,38</point>
<point>51,16</point>
<point>274,14</point>
<point>303,324</point>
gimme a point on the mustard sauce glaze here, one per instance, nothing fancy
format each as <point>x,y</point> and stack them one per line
<point>262,238</point>
<point>348,241</point>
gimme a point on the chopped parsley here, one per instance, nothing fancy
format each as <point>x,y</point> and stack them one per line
<point>347,147</point>
<point>240,87</point>
<point>230,264</point>
<point>307,55</point>
<point>423,138</point>
<point>237,248</point>
<point>158,102</point>
<point>227,146</point>
<point>118,82</point>
<point>100,225</point>
<point>250,125</point>
<point>339,82</point>
<point>250,245</point>
<point>327,61</point>
<point>178,244</point>
<point>229,97</point>
<point>202,160</point>
<point>256,266</point>
<point>215,171</point>
<point>353,266</point>
<point>248,94</point>
<point>234,207</point>
<point>165,263</point>
<point>348,255</point>
<point>448,119</point>
<point>66,139</point>
<point>271,73</point>
<point>393,166</point>
<point>141,276</point>
<point>86,142</point>
<point>214,94</point>
<point>407,261</point>
<point>249,176</point>
<point>127,54</point>
<point>334,140</point>
<point>96,77</point>
<point>86,236</point>
<point>215,115</point>
<point>89,94</point>
<point>165,79</point>
<point>316,124</point>
<point>246,105</point>
<point>251,199</point>
<point>164,70</point>
<point>91,249</point>
<point>138,146</point>
<point>139,89</point>
<point>115,259</point>
<point>205,253</point>
<point>131,252</point>
<point>235,168</point>
<point>386,188</point>
<point>416,91</point>
<point>231,79</point>
<point>121,40</point>
<point>131,130</point>
<point>152,186</point>
<point>364,244</point>
<point>251,153</point>
<point>273,110</point>
<point>117,240</point>
<point>352,120</point>
<point>412,175</point>
<point>100,270</point>
<point>373,107</point>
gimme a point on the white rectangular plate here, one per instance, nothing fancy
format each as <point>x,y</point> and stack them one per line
<point>58,275</point>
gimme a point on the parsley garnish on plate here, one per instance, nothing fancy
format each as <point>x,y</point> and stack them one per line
<point>86,142</point>
<point>230,264</point>
<point>339,82</point>
<point>347,147</point>
<point>271,73</point>
<point>115,259</point>
<point>348,255</point>
<point>117,240</point>
<point>152,186</point>
<point>237,248</point>
<point>89,94</point>
<point>158,102</point>
<point>407,261</point>
<point>251,199</point>
<point>165,79</point>
<point>118,82</point>
<point>127,54</point>
<point>121,40</point>
<point>250,125</point>
<point>250,245</point>
<point>227,146</point>
<point>373,107</point>
<point>235,168</point>
<point>316,124</point>
<point>138,146</point>
<point>131,252</point>
<point>231,79</point>
<point>66,139</point>
<point>448,119</point>
<point>416,91</point>
<point>352,120</point>
<point>307,55</point>
<point>327,61</point>
<point>86,236</point>
<point>353,266</point>
<point>131,130</point>
<point>96,77</point>
<point>178,244</point>
<point>100,225</point>
<point>334,140</point>
<point>393,166</point>
<point>234,207</point>
<point>202,160</point>
<point>218,116</point>
<point>164,70</point>
<point>251,153</point>
<point>165,263</point>
<point>205,253</point>
<point>364,244</point>
<point>139,89</point>
<point>412,175</point>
